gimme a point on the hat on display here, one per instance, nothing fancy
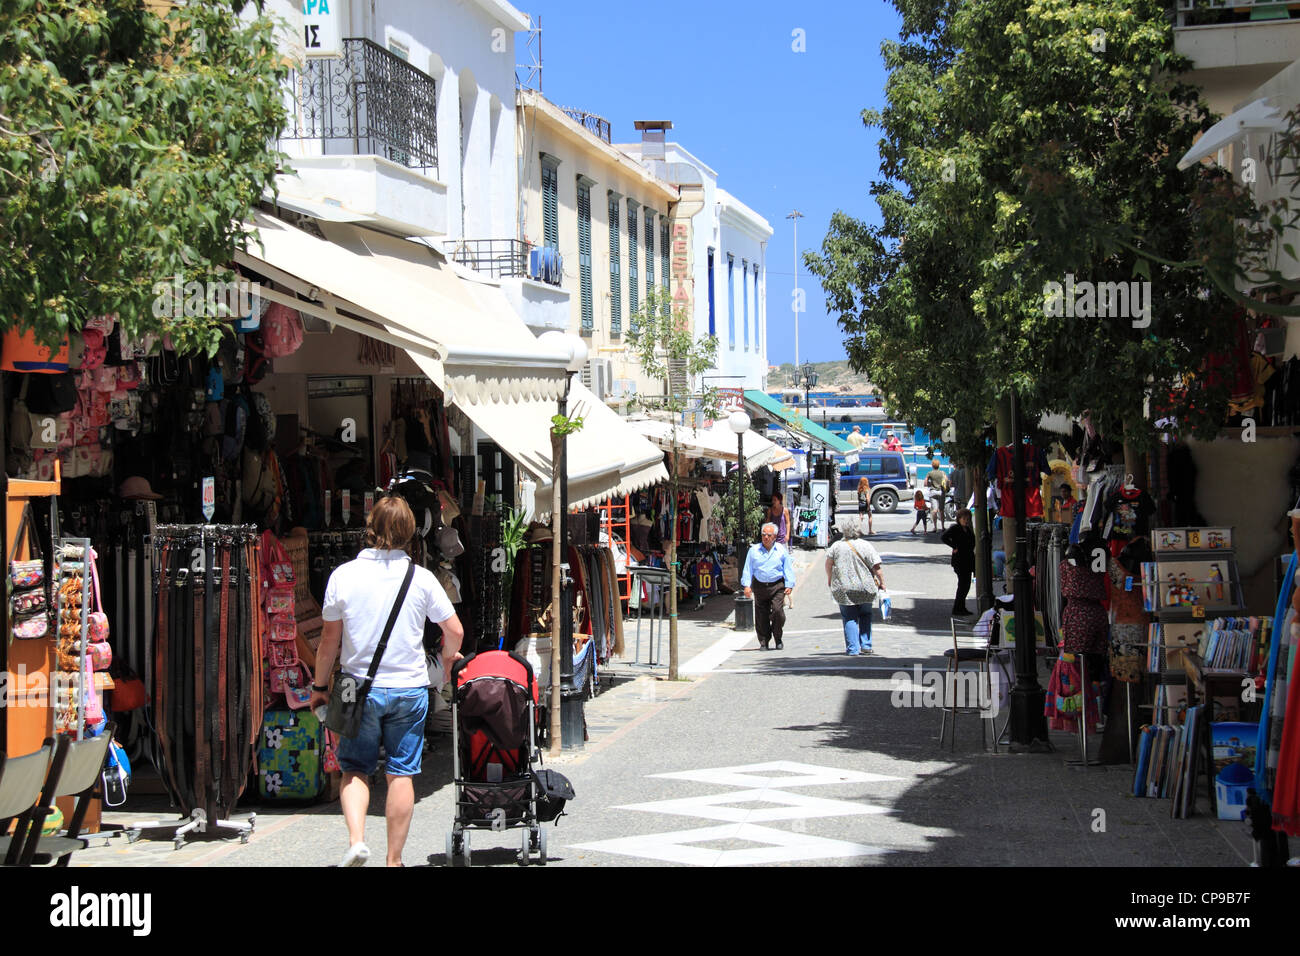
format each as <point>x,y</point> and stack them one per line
<point>137,487</point>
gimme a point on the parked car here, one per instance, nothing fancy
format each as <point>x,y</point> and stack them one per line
<point>888,474</point>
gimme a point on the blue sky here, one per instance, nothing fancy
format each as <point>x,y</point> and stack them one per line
<point>782,128</point>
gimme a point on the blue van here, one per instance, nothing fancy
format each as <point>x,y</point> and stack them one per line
<point>890,478</point>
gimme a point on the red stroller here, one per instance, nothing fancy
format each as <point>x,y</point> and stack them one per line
<point>494,734</point>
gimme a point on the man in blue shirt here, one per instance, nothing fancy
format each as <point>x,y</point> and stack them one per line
<point>768,577</point>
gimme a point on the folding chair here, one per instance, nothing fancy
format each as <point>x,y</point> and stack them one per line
<point>20,790</point>
<point>968,647</point>
<point>76,776</point>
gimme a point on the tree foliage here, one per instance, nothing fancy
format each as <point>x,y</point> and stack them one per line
<point>1024,141</point>
<point>131,148</point>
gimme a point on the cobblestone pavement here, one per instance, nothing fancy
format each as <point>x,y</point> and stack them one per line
<point>814,762</point>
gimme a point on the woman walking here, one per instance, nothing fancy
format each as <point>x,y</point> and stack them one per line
<point>864,503</point>
<point>854,574</point>
<point>359,600</point>
<point>961,538</point>
<point>778,516</point>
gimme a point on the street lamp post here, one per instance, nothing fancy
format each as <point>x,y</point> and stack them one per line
<point>739,423</point>
<point>809,382</point>
<point>572,718</point>
<point>795,217</point>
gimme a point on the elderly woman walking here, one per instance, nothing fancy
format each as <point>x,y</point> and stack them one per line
<point>853,572</point>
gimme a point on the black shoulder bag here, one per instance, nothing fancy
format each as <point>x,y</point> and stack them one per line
<point>347,697</point>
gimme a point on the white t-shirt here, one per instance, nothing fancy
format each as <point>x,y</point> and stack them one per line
<point>361,595</point>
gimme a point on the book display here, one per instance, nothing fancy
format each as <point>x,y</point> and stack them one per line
<point>1200,648</point>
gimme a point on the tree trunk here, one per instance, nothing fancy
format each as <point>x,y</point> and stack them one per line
<point>672,566</point>
<point>1005,437</point>
<point>557,593</point>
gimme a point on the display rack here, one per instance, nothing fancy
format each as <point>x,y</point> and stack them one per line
<point>616,519</point>
<point>72,605</point>
<point>1193,580</point>
<point>27,665</point>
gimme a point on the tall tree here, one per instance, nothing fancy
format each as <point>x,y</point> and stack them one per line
<point>1029,142</point>
<point>131,148</point>
<point>662,342</point>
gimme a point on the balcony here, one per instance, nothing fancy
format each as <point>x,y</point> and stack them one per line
<point>1197,13</point>
<point>511,258</point>
<point>362,142</point>
<point>596,125</point>
<point>367,102</point>
<point>1235,46</point>
<point>529,276</point>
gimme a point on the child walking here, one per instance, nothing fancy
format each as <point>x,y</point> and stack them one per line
<point>922,512</point>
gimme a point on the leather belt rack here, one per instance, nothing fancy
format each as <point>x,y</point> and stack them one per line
<point>207,652</point>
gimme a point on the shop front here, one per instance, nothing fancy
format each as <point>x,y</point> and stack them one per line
<point>212,497</point>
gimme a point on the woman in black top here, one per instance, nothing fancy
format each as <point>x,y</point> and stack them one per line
<point>961,538</point>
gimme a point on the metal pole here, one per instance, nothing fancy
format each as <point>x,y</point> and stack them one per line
<point>1028,723</point>
<point>572,717</point>
<point>796,216</point>
<point>744,618</point>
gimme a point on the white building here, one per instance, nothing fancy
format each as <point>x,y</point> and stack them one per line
<point>726,259</point>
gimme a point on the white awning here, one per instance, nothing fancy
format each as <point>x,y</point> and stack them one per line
<point>1256,117</point>
<point>404,293</point>
<point>717,442</point>
<point>607,458</point>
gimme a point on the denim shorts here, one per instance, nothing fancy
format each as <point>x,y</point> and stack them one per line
<point>394,715</point>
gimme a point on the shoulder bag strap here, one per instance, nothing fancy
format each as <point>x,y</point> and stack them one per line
<point>388,628</point>
<point>25,528</point>
<point>857,555</point>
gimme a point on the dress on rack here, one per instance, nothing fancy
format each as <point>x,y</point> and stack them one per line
<point>1084,622</point>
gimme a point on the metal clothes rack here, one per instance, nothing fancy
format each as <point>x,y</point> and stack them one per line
<point>64,548</point>
<point>199,547</point>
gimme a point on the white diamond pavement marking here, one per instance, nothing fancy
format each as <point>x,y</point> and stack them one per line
<point>776,773</point>
<point>719,806</point>
<point>783,847</point>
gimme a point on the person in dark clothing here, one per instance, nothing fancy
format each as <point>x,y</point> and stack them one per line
<point>961,538</point>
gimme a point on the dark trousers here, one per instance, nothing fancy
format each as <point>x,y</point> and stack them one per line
<point>769,609</point>
<point>963,588</point>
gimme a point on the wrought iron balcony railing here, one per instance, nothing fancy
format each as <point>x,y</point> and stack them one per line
<point>594,124</point>
<point>507,258</point>
<point>368,101</point>
<point>1197,13</point>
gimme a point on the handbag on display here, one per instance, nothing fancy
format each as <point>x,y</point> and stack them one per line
<point>28,599</point>
<point>348,696</point>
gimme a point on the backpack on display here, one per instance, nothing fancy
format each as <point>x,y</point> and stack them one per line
<point>281,332</point>
<point>290,754</point>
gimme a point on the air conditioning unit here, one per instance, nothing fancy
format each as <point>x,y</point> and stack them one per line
<point>598,375</point>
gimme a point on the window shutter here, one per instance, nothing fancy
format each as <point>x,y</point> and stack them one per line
<point>550,206</point>
<point>615,277</point>
<point>584,254</point>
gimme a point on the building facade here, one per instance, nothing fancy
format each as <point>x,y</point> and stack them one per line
<point>609,220</point>
<point>721,260</point>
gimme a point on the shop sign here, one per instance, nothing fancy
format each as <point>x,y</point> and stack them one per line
<point>209,497</point>
<point>322,27</point>
<point>731,400</point>
<point>681,271</point>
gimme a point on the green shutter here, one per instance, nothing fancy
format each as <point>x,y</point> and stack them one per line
<point>633,293</point>
<point>615,277</point>
<point>664,262</point>
<point>584,254</point>
<point>550,206</point>
<point>649,252</point>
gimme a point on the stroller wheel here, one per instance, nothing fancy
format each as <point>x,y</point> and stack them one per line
<point>464,849</point>
<point>541,845</point>
<point>450,859</point>
<point>523,850</point>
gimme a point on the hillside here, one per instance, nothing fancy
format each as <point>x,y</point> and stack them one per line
<point>832,376</point>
